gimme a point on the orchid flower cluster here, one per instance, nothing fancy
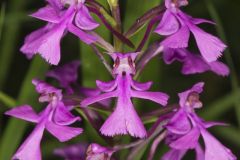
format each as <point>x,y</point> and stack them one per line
<point>179,125</point>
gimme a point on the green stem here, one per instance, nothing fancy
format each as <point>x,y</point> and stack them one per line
<point>9,39</point>
<point>7,100</point>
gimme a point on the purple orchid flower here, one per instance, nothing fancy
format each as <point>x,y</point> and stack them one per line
<point>83,151</point>
<point>177,26</point>
<point>66,75</point>
<point>72,152</point>
<point>97,152</point>
<point>46,41</point>
<point>55,117</point>
<point>185,128</point>
<point>124,119</point>
<point>193,63</point>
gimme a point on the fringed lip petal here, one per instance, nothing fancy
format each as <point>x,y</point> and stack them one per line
<point>120,123</point>
<point>210,46</point>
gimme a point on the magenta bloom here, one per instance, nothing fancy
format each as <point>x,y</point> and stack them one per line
<point>55,118</point>
<point>177,26</point>
<point>193,63</point>
<point>124,119</point>
<point>97,152</point>
<point>66,75</point>
<point>82,151</point>
<point>46,41</point>
<point>185,128</point>
<point>72,152</point>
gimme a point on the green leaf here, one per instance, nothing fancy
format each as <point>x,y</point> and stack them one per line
<point>15,128</point>
<point>9,39</point>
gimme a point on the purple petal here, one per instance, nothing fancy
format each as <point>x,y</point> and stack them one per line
<point>56,4</point>
<point>66,74</point>
<point>141,86</point>
<point>84,20</point>
<point>211,124</point>
<point>30,149</point>
<point>63,133</point>
<point>184,95</point>
<point>171,55</point>
<point>24,112</point>
<point>174,154</point>
<point>124,120</point>
<point>199,152</point>
<point>194,64</point>
<point>32,37</point>
<point>220,68</point>
<point>157,97</point>
<point>214,150</point>
<point>177,40</point>
<point>210,46</point>
<point>188,141</point>
<point>179,123</point>
<point>106,86</point>
<point>62,116</point>
<point>168,25</point>
<point>72,152</point>
<point>94,99</point>
<point>47,45</point>
<point>48,14</point>
<point>200,20</point>
<point>85,37</point>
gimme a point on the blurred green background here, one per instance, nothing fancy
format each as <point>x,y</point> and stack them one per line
<point>221,96</point>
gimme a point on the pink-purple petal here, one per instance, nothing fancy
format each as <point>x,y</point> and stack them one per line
<point>158,97</point>
<point>214,150</point>
<point>24,112</point>
<point>84,20</point>
<point>85,37</point>
<point>30,149</point>
<point>177,40</point>
<point>63,133</point>
<point>168,25</point>
<point>48,14</point>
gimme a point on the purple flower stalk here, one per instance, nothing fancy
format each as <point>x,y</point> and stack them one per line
<point>177,26</point>
<point>61,16</point>
<point>124,120</point>
<point>185,128</point>
<point>55,118</point>
<point>193,63</point>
